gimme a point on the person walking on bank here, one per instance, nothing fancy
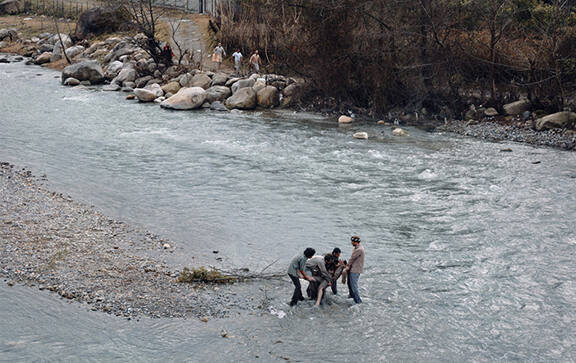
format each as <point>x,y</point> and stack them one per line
<point>237,55</point>
<point>354,268</point>
<point>218,55</point>
<point>255,62</point>
<point>296,271</point>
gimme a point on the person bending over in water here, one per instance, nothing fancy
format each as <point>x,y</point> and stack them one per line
<point>296,272</point>
<point>322,277</point>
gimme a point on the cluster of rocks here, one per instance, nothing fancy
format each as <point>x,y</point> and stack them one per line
<point>123,64</point>
<point>53,243</point>
<point>519,113</point>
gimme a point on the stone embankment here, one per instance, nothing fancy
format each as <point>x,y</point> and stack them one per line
<point>54,243</point>
<point>122,64</point>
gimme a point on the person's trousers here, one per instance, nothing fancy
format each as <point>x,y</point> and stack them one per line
<point>353,286</point>
<point>297,295</point>
<point>335,286</point>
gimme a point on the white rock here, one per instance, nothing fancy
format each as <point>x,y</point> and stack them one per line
<point>361,135</point>
<point>399,132</point>
<point>344,119</point>
<point>187,98</point>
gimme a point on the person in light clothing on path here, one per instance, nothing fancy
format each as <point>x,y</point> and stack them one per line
<point>237,55</point>
<point>255,62</point>
<point>218,55</point>
<point>354,268</point>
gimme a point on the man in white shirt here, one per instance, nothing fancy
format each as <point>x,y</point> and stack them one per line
<point>237,60</point>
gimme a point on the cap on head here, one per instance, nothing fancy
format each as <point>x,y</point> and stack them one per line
<point>355,238</point>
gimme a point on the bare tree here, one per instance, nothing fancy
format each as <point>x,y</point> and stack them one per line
<point>146,16</point>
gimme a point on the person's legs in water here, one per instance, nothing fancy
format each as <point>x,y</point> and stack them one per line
<point>297,295</point>
<point>321,291</point>
<point>353,279</point>
<point>350,296</point>
<point>335,286</point>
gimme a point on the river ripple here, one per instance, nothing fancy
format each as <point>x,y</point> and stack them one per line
<point>470,251</point>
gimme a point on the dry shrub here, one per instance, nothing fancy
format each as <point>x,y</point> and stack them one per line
<point>203,275</point>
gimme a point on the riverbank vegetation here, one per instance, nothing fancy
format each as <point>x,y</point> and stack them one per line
<point>415,54</point>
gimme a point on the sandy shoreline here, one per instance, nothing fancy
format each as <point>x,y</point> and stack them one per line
<point>51,242</point>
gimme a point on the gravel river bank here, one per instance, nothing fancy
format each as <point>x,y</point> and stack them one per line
<point>54,243</point>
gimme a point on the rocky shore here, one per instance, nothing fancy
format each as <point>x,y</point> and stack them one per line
<point>123,64</point>
<point>492,130</point>
<point>54,243</point>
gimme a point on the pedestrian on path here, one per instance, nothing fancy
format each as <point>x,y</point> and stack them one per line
<point>237,55</point>
<point>218,55</point>
<point>255,62</point>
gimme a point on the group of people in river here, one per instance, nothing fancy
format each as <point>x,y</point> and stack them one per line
<point>323,271</point>
<point>254,62</point>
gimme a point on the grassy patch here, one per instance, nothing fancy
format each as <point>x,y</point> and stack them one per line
<point>202,274</point>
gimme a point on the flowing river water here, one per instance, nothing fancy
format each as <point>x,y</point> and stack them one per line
<point>470,251</point>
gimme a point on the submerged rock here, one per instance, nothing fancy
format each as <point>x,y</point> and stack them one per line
<point>361,135</point>
<point>344,119</point>
<point>399,132</point>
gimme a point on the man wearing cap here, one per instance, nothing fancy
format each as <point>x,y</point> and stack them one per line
<point>354,268</point>
<point>296,272</point>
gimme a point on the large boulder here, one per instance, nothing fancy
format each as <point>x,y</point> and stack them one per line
<point>119,50</point>
<point>219,79</point>
<point>9,35</point>
<point>516,108</point>
<point>201,80</point>
<point>217,93</point>
<point>60,46</point>
<point>44,58</point>
<point>243,99</point>
<point>185,80</point>
<point>103,20</point>
<point>127,74</point>
<point>187,98</point>
<point>556,120</point>
<point>172,87</point>
<point>94,47</point>
<point>62,39</point>
<point>243,83</point>
<point>231,81</point>
<point>113,69</point>
<point>11,7</point>
<point>268,97</point>
<point>74,51</point>
<point>259,84</point>
<point>84,71</point>
<point>149,93</point>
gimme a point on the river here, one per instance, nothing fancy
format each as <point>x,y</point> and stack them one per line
<point>470,251</point>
